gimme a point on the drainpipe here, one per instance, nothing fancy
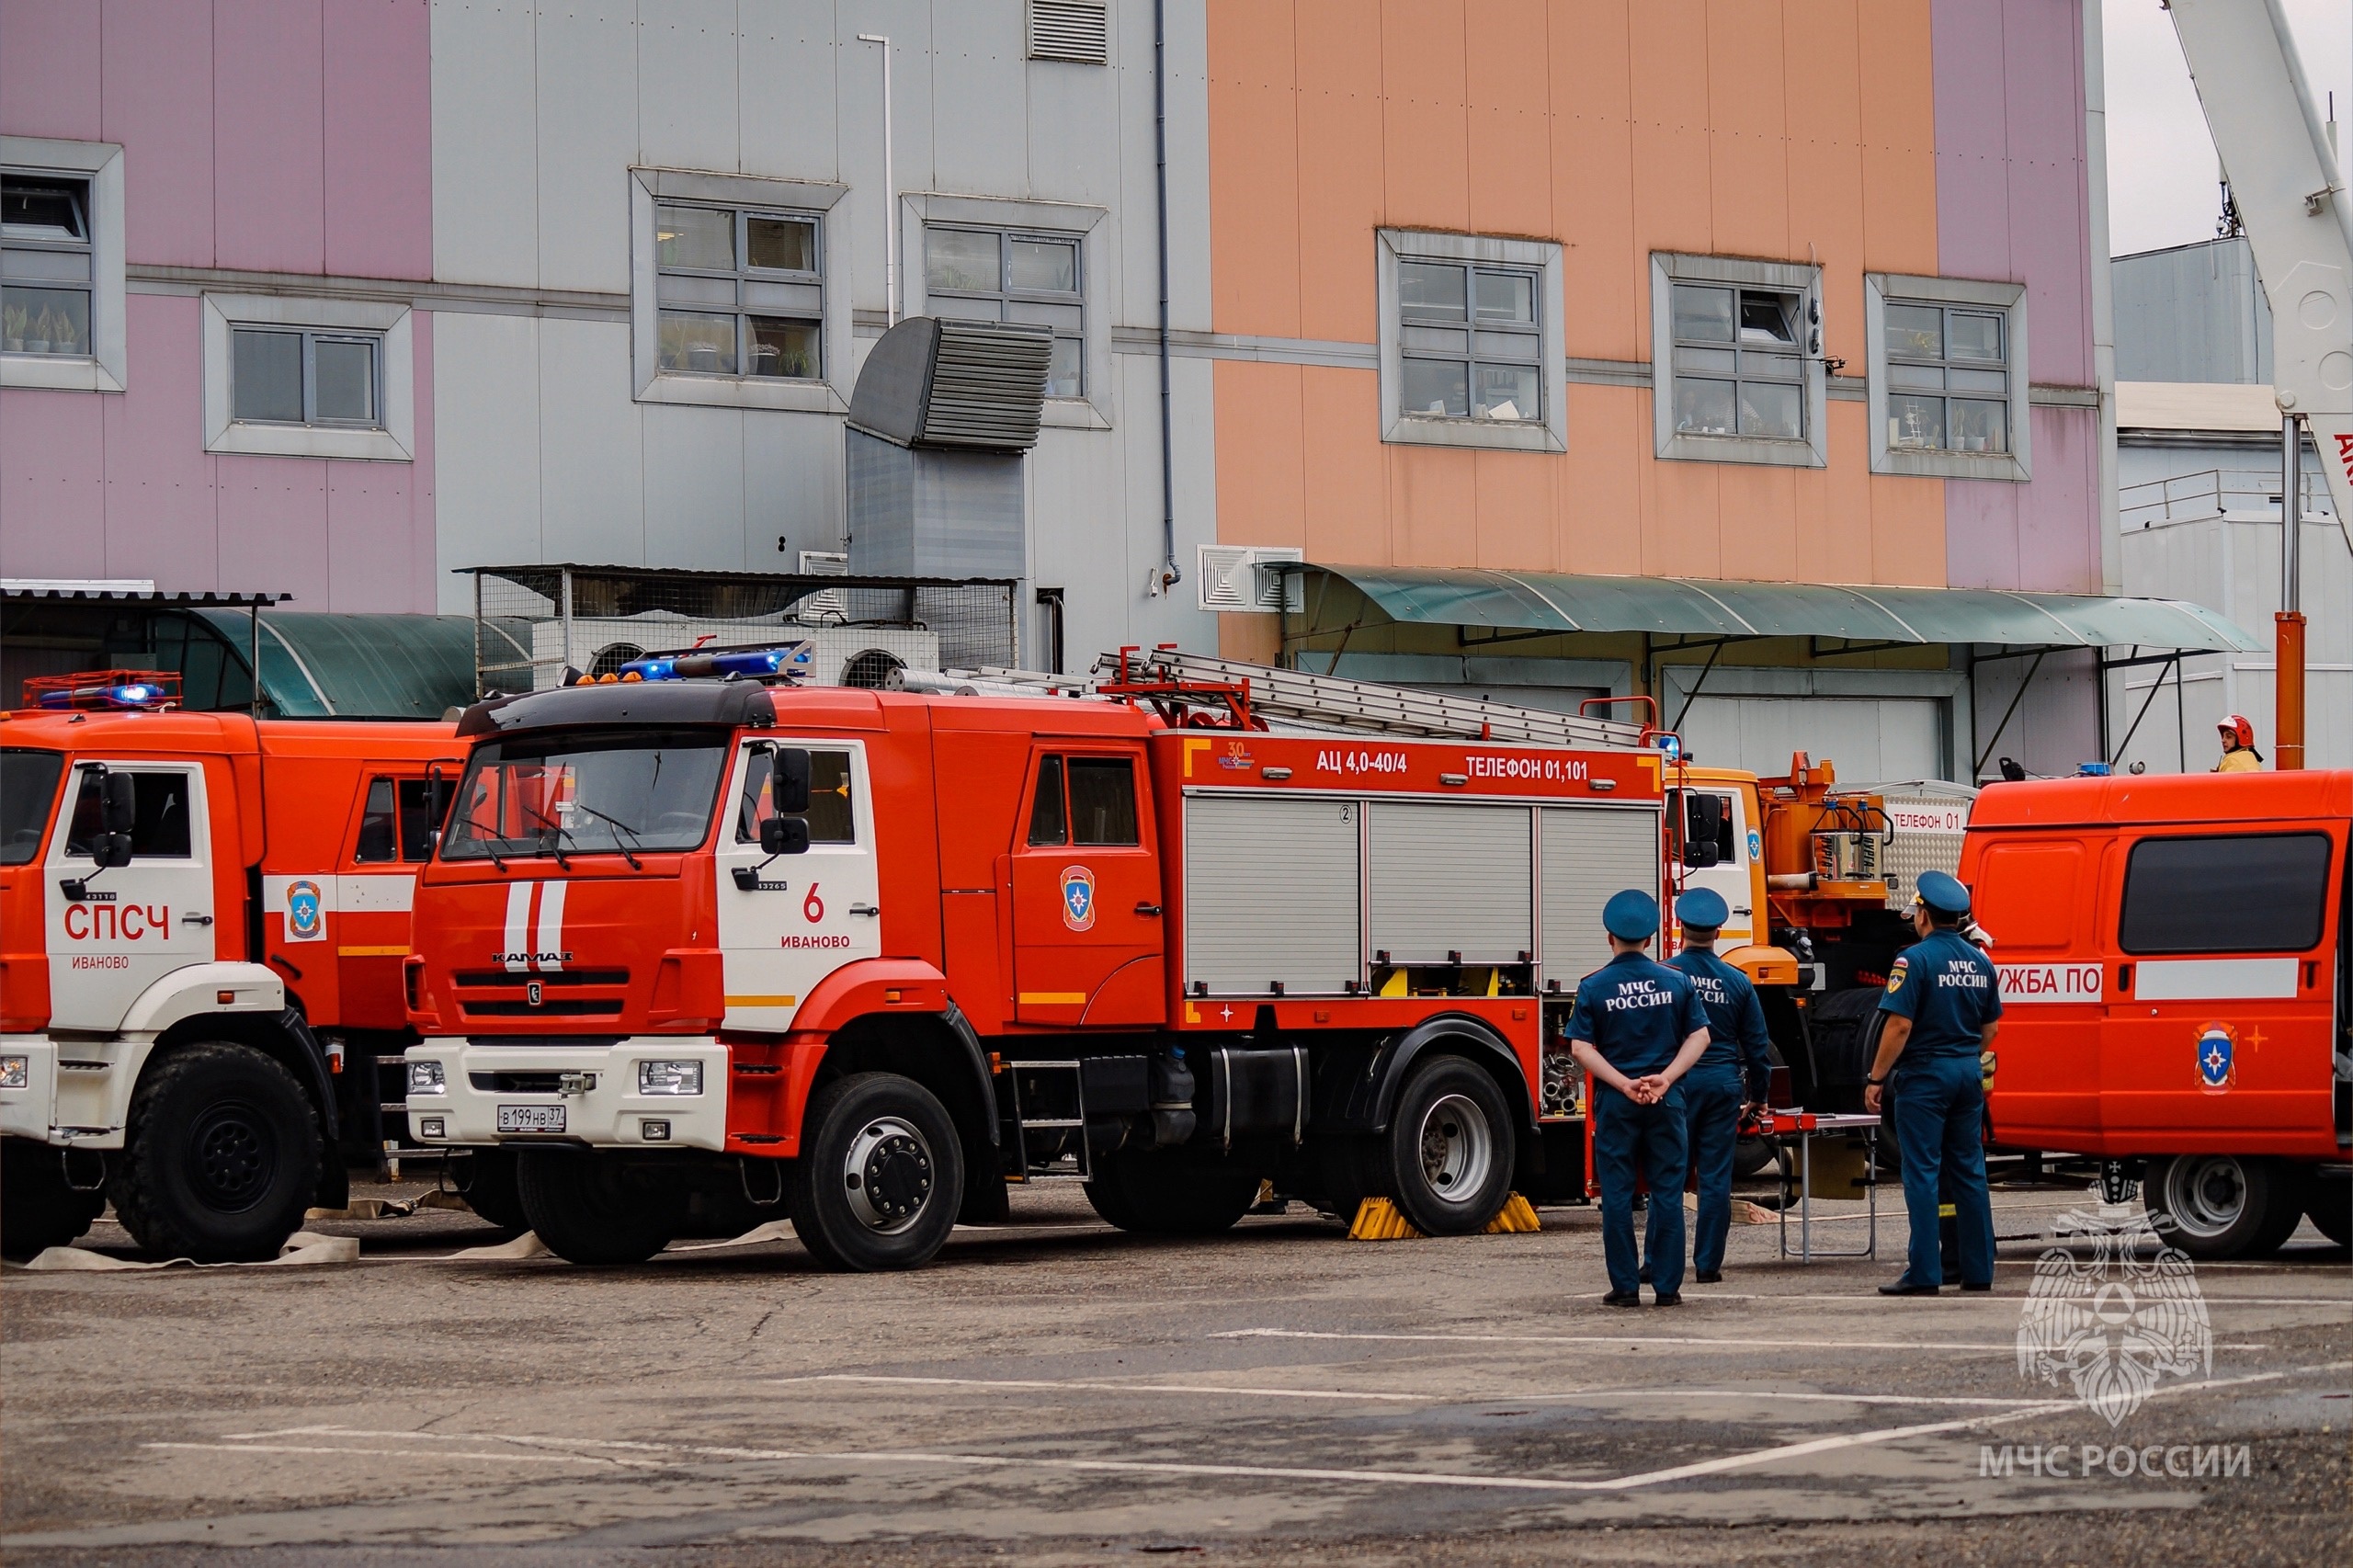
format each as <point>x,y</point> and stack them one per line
<point>1170,574</point>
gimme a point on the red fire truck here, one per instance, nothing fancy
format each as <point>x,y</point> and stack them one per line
<point>204,919</point>
<point>2174,984</point>
<point>867,957</point>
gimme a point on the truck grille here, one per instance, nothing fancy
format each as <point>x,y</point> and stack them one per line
<point>509,994</point>
<point>516,1082</point>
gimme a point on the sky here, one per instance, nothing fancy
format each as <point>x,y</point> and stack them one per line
<point>2161,167</point>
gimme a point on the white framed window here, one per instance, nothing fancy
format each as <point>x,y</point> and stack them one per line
<point>981,258</point>
<point>1013,275</point>
<point>1736,362</point>
<point>1948,377</point>
<point>309,378</point>
<point>1472,349</point>
<point>730,299</point>
<point>61,264</point>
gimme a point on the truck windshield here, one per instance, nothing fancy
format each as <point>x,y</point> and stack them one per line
<point>586,794</point>
<point>27,786</point>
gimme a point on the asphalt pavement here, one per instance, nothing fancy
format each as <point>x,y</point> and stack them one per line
<point>1052,1390</point>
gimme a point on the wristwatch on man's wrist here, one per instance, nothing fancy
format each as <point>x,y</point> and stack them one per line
<point>1876,1083</point>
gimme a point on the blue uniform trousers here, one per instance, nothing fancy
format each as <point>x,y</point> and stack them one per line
<point>1940,1121</point>
<point>1711,1102</point>
<point>1628,1138</point>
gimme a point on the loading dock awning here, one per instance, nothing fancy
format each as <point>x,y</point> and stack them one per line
<point>1563,602</point>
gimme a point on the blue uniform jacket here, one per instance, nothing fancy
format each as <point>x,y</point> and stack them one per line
<point>1736,1034</point>
<point>1948,991</point>
<point>1636,1013</point>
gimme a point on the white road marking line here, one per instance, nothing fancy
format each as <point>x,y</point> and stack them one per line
<point>1472,1396</point>
<point>2005,1347</point>
<point>1108,1388</point>
<point>1273,1472</point>
<point>1865,1293</point>
<point>507,1457</point>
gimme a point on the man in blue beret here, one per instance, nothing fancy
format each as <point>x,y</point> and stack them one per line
<point>1636,1029</point>
<point>1943,1009</point>
<point>1729,1077</point>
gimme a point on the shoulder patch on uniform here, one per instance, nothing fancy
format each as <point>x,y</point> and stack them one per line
<point>1895,975</point>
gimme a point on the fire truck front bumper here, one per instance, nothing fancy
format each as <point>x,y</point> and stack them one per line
<point>639,1091</point>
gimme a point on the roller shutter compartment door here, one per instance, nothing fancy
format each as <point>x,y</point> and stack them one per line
<point>1271,895</point>
<point>1448,879</point>
<point>1589,853</point>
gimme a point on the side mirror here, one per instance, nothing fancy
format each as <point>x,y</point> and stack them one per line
<point>787,836</point>
<point>118,804</point>
<point>1704,824</point>
<point>112,849</point>
<point>788,785</point>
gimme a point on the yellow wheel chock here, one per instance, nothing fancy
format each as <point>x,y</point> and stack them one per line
<point>1380,1219</point>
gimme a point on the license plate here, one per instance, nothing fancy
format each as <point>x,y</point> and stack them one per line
<point>530,1119</point>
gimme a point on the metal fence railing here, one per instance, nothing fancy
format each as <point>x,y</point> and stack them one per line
<point>531,622</point>
<point>2209,492</point>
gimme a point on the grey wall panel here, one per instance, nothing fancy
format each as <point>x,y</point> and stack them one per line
<point>789,89</point>
<point>687,65</point>
<point>1448,878</point>
<point>487,437</point>
<point>793,488</point>
<point>978,78</point>
<point>1588,853</point>
<point>694,486</point>
<point>485,155</point>
<point>589,451</point>
<point>1271,895</point>
<point>587,74</point>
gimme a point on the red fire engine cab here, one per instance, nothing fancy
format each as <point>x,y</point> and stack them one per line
<point>202,926</point>
<point>867,957</point>
<point>2175,974</point>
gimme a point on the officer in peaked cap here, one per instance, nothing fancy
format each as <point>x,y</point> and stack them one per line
<point>1636,1029</point>
<point>1942,1009</point>
<point>1729,1075</point>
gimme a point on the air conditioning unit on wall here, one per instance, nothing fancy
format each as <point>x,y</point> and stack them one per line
<point>1239,577</point>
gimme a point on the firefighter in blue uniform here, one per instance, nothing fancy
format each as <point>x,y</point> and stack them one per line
<point>1943,1005</point>
<point>1636,1029</point>
<point>1729,1077</point>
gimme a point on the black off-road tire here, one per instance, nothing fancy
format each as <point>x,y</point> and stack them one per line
<point>1452,1147</point>
<point>880,1176</point>
<point>221,1158</point>
<point>2329,1204</point>
<point>2215,1207</point>
<point>491,1190</point>
<point>1172,1194</point>
<point>593,1208</point>
<point>39,1209</point>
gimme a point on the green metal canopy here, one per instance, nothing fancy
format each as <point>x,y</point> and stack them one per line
<point>353,667</point>
<point>1554,601</point>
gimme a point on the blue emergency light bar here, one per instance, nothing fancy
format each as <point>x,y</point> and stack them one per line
<point>1670,745</point>
<point>786,660</point>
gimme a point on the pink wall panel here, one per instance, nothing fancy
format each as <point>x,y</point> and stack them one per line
<point>48,69</point>
<point>424,579</point>
<point>268,125</point>
<point>159,107</point>
<point>1982,533</point>
<point>2059,513</point>
<point>159,506</point>
<point>379,117</point>
<point>2050,220</point>
<point>368,519</point>
<point>273,532</point>
<point>52,505</point>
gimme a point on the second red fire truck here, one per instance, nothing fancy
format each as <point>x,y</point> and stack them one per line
<point>864,957</point>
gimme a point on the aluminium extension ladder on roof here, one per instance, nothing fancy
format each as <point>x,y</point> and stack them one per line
<point>1362,707</point>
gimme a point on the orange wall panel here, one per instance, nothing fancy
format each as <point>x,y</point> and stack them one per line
<point>1254,170</point>
<point>1796,130</point>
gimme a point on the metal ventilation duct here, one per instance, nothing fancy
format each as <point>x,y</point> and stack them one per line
<point>975,385</point>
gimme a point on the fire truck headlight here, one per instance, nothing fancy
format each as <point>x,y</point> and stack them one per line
<point>16,1072</point>
<point>669,1077</point>
<point>426,1078</point>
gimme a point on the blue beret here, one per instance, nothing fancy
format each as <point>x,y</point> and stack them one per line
<point>1631,916</point>
<point>1702,907</point>
<point>1942,892</point>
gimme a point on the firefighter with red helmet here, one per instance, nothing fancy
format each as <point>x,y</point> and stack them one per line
<point>2239,755</point>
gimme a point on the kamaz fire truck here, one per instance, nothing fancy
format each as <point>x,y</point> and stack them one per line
<point>205,919</point>
<point>864,957</point>
<point>867,957</point>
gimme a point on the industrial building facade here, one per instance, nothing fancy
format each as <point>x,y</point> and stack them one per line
<point>1453,299</point>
